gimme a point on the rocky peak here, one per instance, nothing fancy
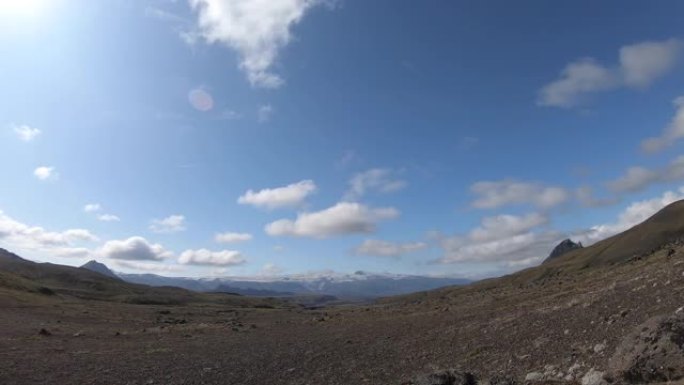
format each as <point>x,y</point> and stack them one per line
<point>98,267</point>
<point>562,248</point>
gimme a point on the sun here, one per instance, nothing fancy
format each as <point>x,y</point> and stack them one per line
<point>22,8</point>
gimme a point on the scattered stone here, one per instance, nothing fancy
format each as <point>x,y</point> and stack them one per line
<point>534,377</point>
<point>594,377</point>
<point>44,332</point>
<point>598,348</point>
<point>653,352</point>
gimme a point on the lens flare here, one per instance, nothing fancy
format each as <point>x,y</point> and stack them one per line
<point>201,100</point>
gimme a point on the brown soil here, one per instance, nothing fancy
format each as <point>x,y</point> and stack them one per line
<point>510,326</point>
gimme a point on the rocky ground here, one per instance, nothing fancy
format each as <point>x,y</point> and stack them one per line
<point>543,326</point>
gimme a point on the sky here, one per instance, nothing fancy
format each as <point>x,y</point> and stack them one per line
<point>276,137</point>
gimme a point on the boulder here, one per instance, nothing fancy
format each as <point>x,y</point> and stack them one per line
<point>653,352</point>
<point>594,377</point>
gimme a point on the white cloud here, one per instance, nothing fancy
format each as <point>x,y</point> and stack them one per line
<point>45,173</point>
<point>578,78</point>
<point>26,133</point>
<point>289,196</point>
<point>493,194</point>
<point>108,218</point>
<point>639,178</point>
<point>57,243</point>
<point>639,65</point>
<point>71,252</point>
<point>211,258</point>
<point>170,224</point>
<point>146,266</point>
<point>271,269</point>
<point>264,113</point>
<point>508,239</point>
<point>635,179</point>
<point>634,214</point>
<point>502,226</point>
<point>229,237</point>
<point>380,180</point>
<point>673,132</point>
<point>92,207</point>
<point>342,219</point>
<point>381,248</point>
<point>134,249</point>
<point>643,63</point>
<point>256,29</point>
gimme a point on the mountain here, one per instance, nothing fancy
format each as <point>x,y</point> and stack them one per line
<point>359,285</point>
<point>22,277</point>
<point>562,248</point>
<point>99,268</point>
<point>664,227</point>
<point>252,292</point>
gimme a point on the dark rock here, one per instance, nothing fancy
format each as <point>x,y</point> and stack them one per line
<point>562,248</point>
<point>653,352</point>
<point>44,332</point>
<point>445,377</point>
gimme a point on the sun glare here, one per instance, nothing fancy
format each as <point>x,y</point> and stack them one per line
<point>22,8</point>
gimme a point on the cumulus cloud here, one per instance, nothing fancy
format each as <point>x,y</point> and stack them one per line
<point>211,258</point>
<point>379,180</point>
<point>379,248</point>
<point>673,132</point>
<point>289,196</point>
<point>229,237</point>
<point>639,178</point>
<point>508,239</point>
<point>45,173</point>
<point>170,224</point>
<point>502,226</point>
<point>256,29</point>
<point>578,78</point>
<point>147,266</point>
<point>645,62</point>
<point>341,219</point>
<point>639,65</point>
<point>108,218</point>
<point>57,243</point>
<point>494,194</point>
<point>92,207</point>
<point>134,249</point>
<point>271,269</point>
<point>26,133</point>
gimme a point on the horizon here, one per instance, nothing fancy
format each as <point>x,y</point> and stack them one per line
<point>208,138</point>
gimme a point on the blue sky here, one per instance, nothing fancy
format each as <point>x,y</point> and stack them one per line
<point>243,137</point>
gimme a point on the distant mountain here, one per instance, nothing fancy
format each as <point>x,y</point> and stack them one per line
<point>49,279</point>
<point>99,268</point>
<point>252,292</point>
<point>562,248</point>
<point>359,285</point>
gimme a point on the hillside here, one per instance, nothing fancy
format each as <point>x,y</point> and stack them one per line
<point>23,276</point>
<point>595,316</point>
<point>665,227</point>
